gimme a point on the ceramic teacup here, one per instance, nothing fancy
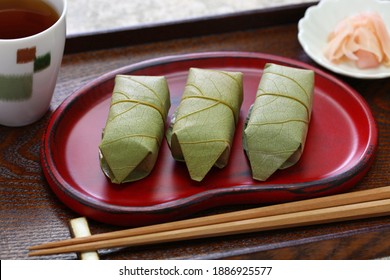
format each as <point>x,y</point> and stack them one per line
<point>29,68</point>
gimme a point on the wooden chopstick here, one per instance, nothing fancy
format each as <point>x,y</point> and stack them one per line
<point>310,204</point>
<point>353,205</point>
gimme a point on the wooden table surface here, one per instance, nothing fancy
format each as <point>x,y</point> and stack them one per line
<point>31,214</point>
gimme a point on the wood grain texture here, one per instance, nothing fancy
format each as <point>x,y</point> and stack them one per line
<point>30,213</point>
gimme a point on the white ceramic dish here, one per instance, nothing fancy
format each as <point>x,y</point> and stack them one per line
<point>321,19</point>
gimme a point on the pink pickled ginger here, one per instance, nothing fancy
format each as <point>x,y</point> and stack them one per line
<point>362,38</point>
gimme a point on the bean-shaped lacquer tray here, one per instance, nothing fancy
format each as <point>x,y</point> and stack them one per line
<point>340,148</point>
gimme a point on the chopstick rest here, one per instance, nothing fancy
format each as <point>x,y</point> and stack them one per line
<point>79,228</point>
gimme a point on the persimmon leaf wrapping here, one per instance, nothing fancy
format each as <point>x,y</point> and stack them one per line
<point>275,132</point>
<point>203,126</point>
<point>135,127</point>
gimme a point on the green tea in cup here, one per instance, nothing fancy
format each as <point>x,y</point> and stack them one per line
<point>23,18</point>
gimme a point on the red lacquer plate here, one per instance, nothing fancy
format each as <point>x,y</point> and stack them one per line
<point>340,148</point>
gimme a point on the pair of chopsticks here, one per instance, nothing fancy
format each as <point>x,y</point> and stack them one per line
<point>334,208</point>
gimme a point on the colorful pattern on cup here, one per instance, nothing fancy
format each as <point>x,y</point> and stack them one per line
<point>19,87</point>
